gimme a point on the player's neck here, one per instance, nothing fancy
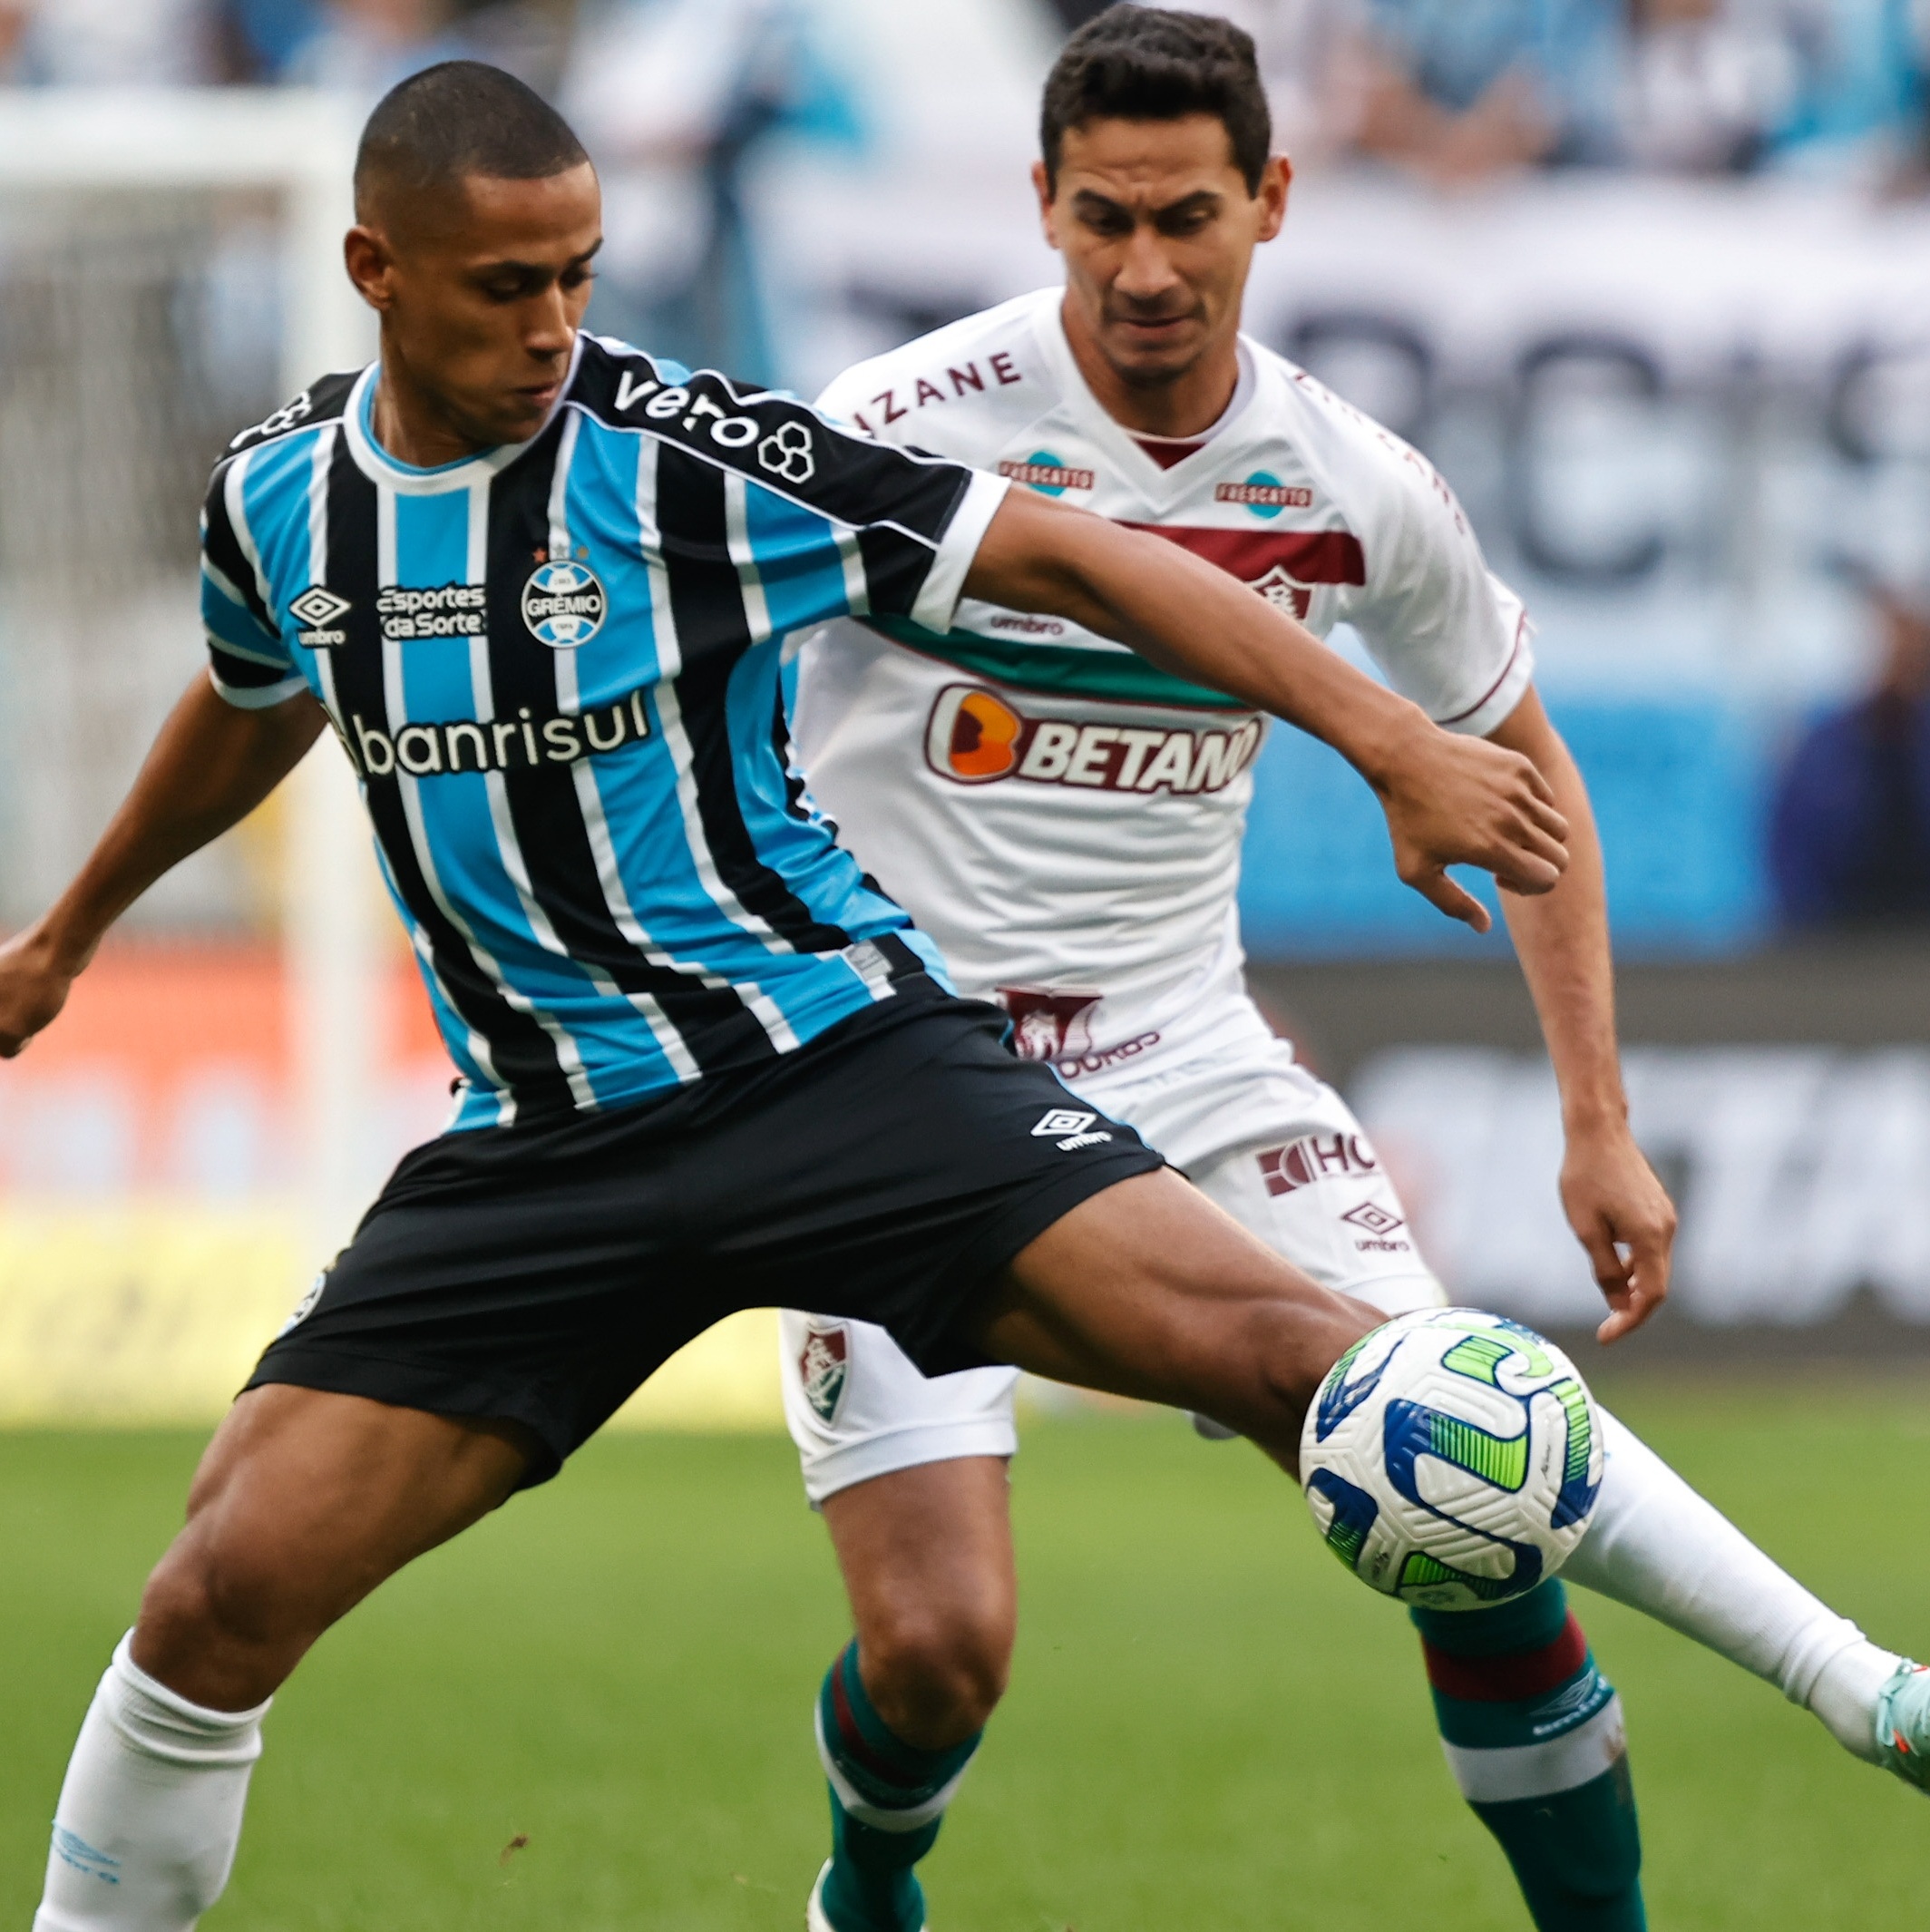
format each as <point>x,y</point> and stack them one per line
<point>409,427</point>
<point>1188,405</point>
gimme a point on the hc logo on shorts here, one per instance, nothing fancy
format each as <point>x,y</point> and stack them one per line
<point>1315,1158</point>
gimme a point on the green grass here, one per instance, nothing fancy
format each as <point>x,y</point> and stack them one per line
<point>1209,1725</point>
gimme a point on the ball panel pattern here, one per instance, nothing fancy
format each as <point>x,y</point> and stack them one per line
<point>1452,1458</point>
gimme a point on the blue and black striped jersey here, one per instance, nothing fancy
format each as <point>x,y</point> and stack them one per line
<point>555,669</point>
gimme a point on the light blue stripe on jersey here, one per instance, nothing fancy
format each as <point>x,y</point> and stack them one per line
<point>638,788</point>
<point>438,684</point>
<point>798,563</point>
<point>452,1027</point>
<point>441,682</point>
<point>237,629</point>
<point>818,872</point>
<point>274,493</point>
<point>602,503</point>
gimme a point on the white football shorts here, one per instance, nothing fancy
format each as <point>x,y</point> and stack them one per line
<point>1277,1148</point>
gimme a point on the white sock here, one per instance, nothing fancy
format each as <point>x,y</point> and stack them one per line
<point>1659,1547</point>
<point>151,1813</point>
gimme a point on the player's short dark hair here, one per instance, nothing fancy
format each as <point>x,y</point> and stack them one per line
<point>1152,64</point>
<point>461,118</point>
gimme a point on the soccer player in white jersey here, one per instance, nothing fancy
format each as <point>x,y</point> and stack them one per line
<point>1065,819</point>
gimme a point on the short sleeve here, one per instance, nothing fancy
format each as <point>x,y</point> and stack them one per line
<point>249,663</point>
<point>913,522</point>
<point>1445,630</point>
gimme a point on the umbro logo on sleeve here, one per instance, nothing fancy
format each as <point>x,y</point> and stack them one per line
<point>1072,1125</point>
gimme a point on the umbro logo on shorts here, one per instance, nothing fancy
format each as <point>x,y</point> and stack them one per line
<point>1069,1122</point>
<point>1380,1228</point>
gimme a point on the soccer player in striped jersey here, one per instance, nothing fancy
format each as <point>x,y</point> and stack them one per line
<point>1065,819</point>
<point>537,584</point>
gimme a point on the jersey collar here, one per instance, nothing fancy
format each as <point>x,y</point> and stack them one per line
<point>1151,482</point>
<point>404,478</point>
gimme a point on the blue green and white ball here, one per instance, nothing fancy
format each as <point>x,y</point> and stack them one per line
<point>1452,1458</point>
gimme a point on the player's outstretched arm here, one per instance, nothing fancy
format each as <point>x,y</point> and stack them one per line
<point>1620,1212</point>
<point>1449,800</point>
<point>211,766</point>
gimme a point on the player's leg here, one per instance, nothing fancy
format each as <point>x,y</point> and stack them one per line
<point>927,1556</point>
<point>911,1476</point>
<point>1652,1543</point>
<point>1655,1545</point>
<point>1147,1290</point>
<point>1532,1731</point>
<point>501,1299</point>
<point>304,1502</point>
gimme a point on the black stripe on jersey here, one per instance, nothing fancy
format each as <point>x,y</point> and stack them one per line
<point>894,572</point>
<point>793,782</point>
<point>322,400</point>
<point>223,550</point>
<point>244,673</point>
<point>707,600</point>
<point>525,1055</point>
<point>545,810</point>
<point>902,501</point>
<point>898,954</point>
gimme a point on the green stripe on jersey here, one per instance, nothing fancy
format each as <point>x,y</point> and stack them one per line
<point>1120,677</point>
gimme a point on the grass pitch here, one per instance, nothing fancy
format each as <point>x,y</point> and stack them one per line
<point>1209,1725</point>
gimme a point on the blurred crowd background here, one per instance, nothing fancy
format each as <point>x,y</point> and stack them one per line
<point>1647,279</point>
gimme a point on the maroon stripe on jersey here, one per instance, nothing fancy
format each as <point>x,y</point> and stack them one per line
<point>1307,556</point>
<point>1508,1679</point>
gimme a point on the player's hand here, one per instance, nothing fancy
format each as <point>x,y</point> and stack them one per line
<point>1462,800</point>
<point>1623,1215</point>
<point>34,987</point>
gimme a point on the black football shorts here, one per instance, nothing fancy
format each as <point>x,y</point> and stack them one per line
<point>540,1273</point>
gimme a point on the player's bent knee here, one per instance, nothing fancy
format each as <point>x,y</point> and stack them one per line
<point>222,1626</point>
<point>937,1673</point>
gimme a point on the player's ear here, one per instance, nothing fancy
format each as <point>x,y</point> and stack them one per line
<point>370,262</point>
<point>1042,188</point>
<point>1276,178</point>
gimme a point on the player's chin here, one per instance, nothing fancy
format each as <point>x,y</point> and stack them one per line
<point>1142,357</point>
<point>514,415</point>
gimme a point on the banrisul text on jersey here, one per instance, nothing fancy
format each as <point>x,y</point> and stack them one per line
<point>554,668</point>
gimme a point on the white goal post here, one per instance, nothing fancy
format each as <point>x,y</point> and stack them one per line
<point>298,147</point>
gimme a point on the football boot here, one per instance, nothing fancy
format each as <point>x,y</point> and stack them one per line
<point>1903,1724</point>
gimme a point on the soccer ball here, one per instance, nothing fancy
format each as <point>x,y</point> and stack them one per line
<point>1452,1458</point>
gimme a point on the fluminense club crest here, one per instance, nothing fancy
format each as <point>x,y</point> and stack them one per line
<point>1048,1025</point>
<point>1284,593</point>
<point>824,1367</point>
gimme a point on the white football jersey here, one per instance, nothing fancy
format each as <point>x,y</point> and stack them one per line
<point>1062,817</point>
